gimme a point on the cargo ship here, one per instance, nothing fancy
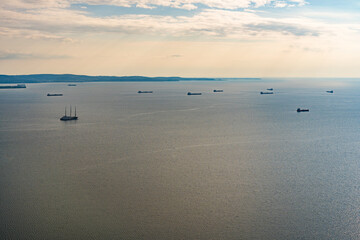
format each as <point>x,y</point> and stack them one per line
<point>270,89</point>
<point>54,94</point>
<point>69,118</point>
<point>266,93</point>
<point>13,86</point>
<point>218,90</point>
<point>145,91</point>
<point>302,110</point>
<point>71,85</point>
<point>331,91</point>
<point>190,93</point>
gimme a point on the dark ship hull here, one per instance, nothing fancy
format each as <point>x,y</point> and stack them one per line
<point>68,118</point>
<point>13,86</point>
<point>145,91</point>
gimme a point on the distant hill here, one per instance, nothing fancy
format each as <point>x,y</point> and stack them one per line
<point>46,78</point>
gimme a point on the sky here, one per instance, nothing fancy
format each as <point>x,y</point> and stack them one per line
<point>187,38</point>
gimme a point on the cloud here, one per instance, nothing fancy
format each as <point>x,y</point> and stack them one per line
<point>308,49</point>
<point>191,4</point>
<point>50,23</point>
<point>32,34</point>
<point>299,2</point>
<point>280,4</point>
<point>283,28</point>
<point>34,4</point>
<point>58,23</point>
<point>182,4</point>
<point>10,55</point>
<point>176,56</point>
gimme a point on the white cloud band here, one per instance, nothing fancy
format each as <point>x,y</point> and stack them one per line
<point>183,4</point>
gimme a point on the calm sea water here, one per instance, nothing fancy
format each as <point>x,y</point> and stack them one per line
<point>231,165</point>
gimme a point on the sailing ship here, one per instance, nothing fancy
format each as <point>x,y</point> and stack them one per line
<point>69,118</point>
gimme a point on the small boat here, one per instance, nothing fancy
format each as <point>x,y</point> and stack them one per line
<point>270,89</point>
<point>266,93</point>
<point>69,118</point>
<point>54,94</point>
<point>190,93</point>
<point>302,110</point>
<point>219,90</point>
<point>145,91</point>
<point>71,85</point>
<point>331,91</point>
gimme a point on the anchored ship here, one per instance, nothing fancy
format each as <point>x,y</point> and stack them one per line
<point>13,86</point>
<point>190,93</point>
<point>266,93</point>
<point>219,90</point>
<point>69,118</point>
<point>331,91</point>
<point>54,94</point>
<point>302,110</point>
<point>145,91</point>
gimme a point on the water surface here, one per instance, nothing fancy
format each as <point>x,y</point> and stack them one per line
<point>231,165</point>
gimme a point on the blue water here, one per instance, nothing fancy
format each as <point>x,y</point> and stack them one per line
<point>231,165</point>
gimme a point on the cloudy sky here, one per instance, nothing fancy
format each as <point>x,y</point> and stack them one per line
<point>189,38</point>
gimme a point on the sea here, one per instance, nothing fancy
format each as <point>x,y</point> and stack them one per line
<point>165,165</point>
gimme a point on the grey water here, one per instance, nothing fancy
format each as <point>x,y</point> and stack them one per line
<point>231,165</point>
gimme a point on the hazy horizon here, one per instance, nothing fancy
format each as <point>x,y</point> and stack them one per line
<point>185,77</point>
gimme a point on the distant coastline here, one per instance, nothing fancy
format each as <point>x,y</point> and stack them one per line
<point>50,78</point>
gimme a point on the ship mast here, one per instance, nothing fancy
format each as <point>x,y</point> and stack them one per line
<point>75,111</point>
<point>65,110</point>
<point>70,110</point>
